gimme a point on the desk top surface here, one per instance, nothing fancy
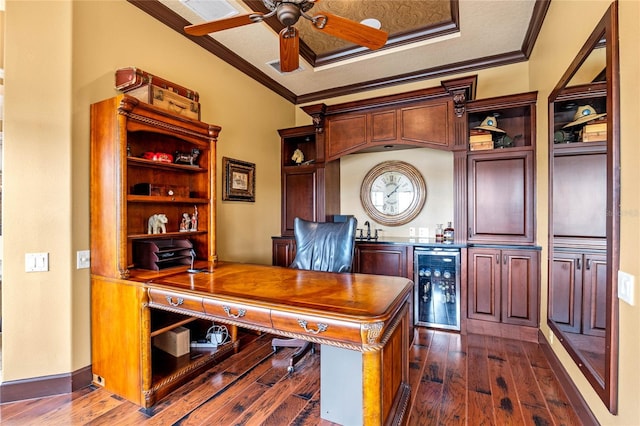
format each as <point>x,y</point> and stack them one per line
<point>353,295</point>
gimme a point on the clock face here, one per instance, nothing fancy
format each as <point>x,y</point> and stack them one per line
<point>393,193</point>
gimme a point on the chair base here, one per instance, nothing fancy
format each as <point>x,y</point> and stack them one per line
<point>302,345</point>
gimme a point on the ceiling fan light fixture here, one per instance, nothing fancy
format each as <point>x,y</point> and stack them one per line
<point>372,22</point>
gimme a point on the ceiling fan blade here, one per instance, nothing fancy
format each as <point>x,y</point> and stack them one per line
<point>352,31</point>
<point>220,24</point>
<point>289,49</point>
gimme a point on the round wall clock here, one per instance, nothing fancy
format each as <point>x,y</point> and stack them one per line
<point>393,193</point>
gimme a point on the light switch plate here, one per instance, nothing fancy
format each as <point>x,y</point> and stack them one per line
<point>626,287</point>
<point>83,259</point>
<point>412,231</point>
<point>36,262</point>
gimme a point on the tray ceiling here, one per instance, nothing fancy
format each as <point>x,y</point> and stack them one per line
<point>427,39</point>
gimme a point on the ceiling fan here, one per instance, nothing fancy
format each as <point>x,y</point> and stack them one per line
<point>288,12</point>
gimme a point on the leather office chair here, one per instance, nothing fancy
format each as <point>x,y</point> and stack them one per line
<point>320,246</point>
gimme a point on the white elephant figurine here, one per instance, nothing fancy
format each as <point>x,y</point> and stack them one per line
<point>157,224</point>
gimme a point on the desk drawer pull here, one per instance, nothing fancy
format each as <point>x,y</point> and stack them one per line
<point>241,312</point>
<point>170,301</point>
<point>321,327</point>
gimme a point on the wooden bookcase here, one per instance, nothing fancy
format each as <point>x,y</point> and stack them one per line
<point>127,187</point>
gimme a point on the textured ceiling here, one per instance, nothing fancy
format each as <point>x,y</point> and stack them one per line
<point>427,39</point>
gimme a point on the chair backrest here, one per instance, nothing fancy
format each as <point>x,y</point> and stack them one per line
<point>324,246</point>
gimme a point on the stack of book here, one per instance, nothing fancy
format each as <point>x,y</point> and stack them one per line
<point>595,131</point>
<point>480,140</point>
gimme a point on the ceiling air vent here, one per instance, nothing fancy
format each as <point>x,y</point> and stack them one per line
<point>276,66</point>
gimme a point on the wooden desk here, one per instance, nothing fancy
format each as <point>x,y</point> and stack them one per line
<point>367,314</point>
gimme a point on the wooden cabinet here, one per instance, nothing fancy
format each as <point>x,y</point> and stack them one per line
<point>503,285</point>
<point>310,190</point>
<point>125,136</point>
<point>283,251</point>
<point>133,179</point>
<point>384,259</point>
<point>426,124</point>
<point>579,215</point>
<point>577,292</point>
<point>501,181</point>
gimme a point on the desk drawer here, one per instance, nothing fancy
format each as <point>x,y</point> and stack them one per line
<point>321,328</point>
<point>249,315</point>
<point>177,301</point>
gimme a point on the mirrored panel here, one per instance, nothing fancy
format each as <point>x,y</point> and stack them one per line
<point>584,202</point>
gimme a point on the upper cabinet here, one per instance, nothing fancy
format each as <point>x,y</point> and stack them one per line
<point>426,124</point>
<point>427,118</point>
<point>501,170</point>
<point>152,180</point>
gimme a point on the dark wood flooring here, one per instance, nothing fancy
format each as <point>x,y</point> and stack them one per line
<point>455,380</point>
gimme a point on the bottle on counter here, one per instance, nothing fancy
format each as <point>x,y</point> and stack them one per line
<point>439,233</point>
<point>447,234</point>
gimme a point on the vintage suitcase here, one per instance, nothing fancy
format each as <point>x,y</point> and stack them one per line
<point>130,78</point>
<point>167,100</point>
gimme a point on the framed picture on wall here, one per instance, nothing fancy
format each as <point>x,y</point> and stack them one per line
<point>238,180</point>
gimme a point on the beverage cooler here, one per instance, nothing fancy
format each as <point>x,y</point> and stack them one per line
<point>437,287</point>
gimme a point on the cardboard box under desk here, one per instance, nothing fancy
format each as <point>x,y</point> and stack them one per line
<point>175,342</point>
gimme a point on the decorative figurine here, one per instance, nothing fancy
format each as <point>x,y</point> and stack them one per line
<point>194,219</point>
<point>298,156</point>
<point>187,158</point>
<point>185,224</point>
<point>157,224</point>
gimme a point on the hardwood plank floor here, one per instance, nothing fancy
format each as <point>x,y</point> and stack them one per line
<point>455,380</point>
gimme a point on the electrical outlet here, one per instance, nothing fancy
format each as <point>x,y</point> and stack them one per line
<point>412,232</point>
<point>423,232</point>
<point>36,262</point>
<point>625,287</point>
<point>550,337</point>
<point>83,259</point>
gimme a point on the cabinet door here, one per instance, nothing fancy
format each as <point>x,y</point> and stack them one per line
<point>483,293</point>
<point>520,272</point>
<point>594,295</point>
<point>565,291</point>
<point>345,134</point>
<point>299,196</point>
<point>427,125</point>
<point>580,196</point>
<point>381,259</point>
<point>501,197</point>
<point>283,251</point>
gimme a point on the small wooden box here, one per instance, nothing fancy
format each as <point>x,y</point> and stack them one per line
<point>167,100</point>
<point>480,146</point>
<point>175,342</point>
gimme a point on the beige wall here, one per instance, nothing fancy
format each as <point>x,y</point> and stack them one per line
<point>60,57</point>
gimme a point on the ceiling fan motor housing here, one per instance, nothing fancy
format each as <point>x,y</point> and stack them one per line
<point>288,11</point>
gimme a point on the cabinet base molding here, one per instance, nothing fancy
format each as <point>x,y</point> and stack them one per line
<point>39,387</point>
<point>508,331</point>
